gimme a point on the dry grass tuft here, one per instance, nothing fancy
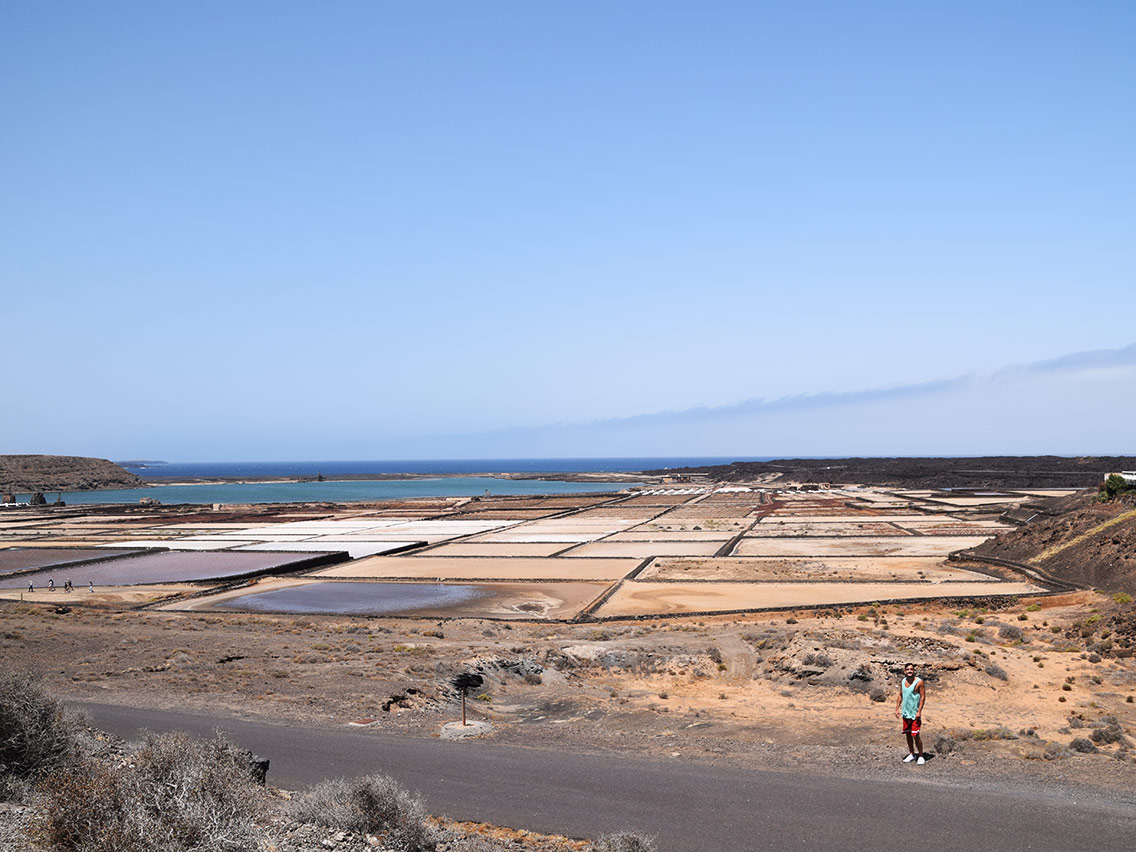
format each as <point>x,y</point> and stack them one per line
<point>175,794</point>
<point>37,735</point>
<point>373,804</point>
<point>624,841</point>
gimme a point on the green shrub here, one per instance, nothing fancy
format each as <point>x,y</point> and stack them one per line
<point>1115,484</point>
<point>373,804</point>
<point>1122,598</point>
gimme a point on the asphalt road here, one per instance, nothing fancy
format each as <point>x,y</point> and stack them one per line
<point>689,807</point>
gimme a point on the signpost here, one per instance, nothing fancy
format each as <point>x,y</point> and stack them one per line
<point>464,681</point>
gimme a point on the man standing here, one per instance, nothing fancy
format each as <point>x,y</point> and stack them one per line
<point>909,705</point>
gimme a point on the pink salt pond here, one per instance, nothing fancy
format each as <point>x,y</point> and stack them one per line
<point>171,567</point>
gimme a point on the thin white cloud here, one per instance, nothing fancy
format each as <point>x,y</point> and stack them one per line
<point>1081,402</point>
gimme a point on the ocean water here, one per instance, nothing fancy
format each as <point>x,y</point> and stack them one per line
<point>347,491</point>
<point>460,478</point>
<point>438,467</point>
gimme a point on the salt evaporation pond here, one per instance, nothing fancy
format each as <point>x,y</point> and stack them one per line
<point>168,567</point>
<point>28,558</point>
<point>355,598</point>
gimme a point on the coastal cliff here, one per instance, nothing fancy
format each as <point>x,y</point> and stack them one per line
<point>62,473</point>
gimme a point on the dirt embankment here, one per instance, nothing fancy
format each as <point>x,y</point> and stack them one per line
<point>988,472</point>
<point>62,473</point>
<point>1076,539</point>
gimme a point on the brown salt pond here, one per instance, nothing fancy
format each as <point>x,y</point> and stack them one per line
<point>21,559</point>
<point>427,600</point>
<point>472,568</point>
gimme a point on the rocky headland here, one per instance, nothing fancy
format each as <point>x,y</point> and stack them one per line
<point>24,473</point>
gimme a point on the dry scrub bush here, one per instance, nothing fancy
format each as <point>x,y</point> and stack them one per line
<point>36,734</point>
<point>1108,730</point>
<point>945,744</point>
<point>175,794</point>
<point>1009,631</point>
<point>996,671</point>
<point>623,841</point>
<point>372,804</point>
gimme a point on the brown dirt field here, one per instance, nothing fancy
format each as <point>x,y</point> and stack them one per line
<point>749,690</point>
<point>638,534</point>
<point>483,548</point>
<point>634,598</point>
<point>930,569</point>
<point>668,524</point>
<point>785,529</point>
<point>895,545</point>
<point>791,517</point>
<point>643,549</point>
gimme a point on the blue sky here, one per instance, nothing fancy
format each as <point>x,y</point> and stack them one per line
<point>261,230</point>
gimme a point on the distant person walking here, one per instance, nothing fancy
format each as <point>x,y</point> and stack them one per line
<point>90,586</point>
<point>51,585</point>
<point>909,706</point>
<point>31,586</point>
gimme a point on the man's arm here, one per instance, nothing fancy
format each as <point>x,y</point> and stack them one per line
<point>922,688</point>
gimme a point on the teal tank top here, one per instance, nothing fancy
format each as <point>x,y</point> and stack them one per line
<point>910,707</point>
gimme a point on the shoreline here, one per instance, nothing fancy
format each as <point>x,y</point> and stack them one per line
<point>586,476</point>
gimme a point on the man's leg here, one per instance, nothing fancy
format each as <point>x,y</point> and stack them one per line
<point>910,748</point>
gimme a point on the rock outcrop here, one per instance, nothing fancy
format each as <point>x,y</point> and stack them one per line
<point>21,474</point>
<point>989,472</point>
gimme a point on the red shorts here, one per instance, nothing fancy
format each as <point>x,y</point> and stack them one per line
<point>911,726</point>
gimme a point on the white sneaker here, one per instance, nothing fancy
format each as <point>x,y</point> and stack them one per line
<point>909,758</point>
<point>920,761</point>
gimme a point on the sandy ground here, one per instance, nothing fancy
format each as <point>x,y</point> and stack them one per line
<point>894,545</point>
<point>1010,689</point>
<point>640,534</point>
<point>635,599</point>
<point>483,548</point>
<point>853,569</point>
<point>748,690</point>
<point>643,549</point>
